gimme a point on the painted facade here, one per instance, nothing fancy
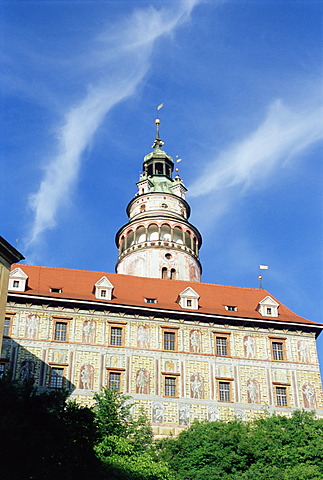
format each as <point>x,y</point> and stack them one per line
<point>182,349</point>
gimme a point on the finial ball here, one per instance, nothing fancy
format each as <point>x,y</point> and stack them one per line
<point>157,121</point>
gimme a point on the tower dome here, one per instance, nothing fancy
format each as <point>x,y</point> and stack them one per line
<point>158,241</point>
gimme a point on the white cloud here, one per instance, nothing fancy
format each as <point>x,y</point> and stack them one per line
<point>283,135</point>
<point>122,59</point>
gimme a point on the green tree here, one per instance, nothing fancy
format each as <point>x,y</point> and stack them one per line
<point>270,448</point>
<point>125,444</point>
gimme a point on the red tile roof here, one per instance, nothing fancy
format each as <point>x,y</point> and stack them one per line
<point>131,290</point>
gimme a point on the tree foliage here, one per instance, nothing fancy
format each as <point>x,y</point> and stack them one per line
<point>270,448</point>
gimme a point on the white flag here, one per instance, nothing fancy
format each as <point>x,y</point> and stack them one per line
<point>263,267</point>
<point>160,106</point>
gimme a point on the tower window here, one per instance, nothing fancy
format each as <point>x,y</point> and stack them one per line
<point>168,256</point>
<point>173,274</point>
<point>164,272</point>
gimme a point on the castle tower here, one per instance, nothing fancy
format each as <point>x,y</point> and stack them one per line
<point>158,241</point>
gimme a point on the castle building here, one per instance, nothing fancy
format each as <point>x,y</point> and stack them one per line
<point>181,348</point>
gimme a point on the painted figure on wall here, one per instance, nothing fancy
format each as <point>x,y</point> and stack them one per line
<point>213,414</point>
<point>32,324</point>
<point>308,396</point>
<point>59,356</point>
<point>195,341</point>
<point>253,391</point>
<point>143,336</point>
<point>303,354</point>
<point>86,377</point>
<point>249,346</point>
<point>27,370</point>
<point>89,330</point>
<point>169,366</point>
<point>184,415</point>
<point>142,381</point>
<point>158,412</point>
<point>197,385</point>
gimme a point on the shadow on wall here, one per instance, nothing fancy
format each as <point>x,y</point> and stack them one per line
<point>24,365</point>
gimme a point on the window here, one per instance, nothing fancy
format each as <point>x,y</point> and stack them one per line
<point>172,274</point>
<point>268,311</point>
<point>188,303</point>
<point>55,290</point>
<point>281,396</point>
<point>170,386</point>
<point>103,293</point>
<point>116,336</point>
<point>7,326</point>
<point>224,391</point>
<point>115,381</point>
<point>164,272</point>
<point>231,308</point>
<point>56,377</point>
<point>60,332</point>
<point>278,351</point>
<point>169,340</point>
<point>16,283</point>
<point>2,369</point>
<point>151,300</point>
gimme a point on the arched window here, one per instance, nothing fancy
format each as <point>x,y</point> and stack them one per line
<point>141,235</point>
<point>178,235</point>
<point>153,232</point>
<point>165,233</point>
<point>173,274</point>
<point>164,272</point>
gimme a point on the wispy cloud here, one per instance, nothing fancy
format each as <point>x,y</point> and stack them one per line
<point>122,56</point>
<point>281,137</point>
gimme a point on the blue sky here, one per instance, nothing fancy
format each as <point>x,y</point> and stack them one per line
<point>241,83</point>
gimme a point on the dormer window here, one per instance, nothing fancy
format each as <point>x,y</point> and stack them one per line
<point>17,280</point>
<point>231,308</point>
<point>268,307</point>
<point>103,289</point>
<point>189,299</point>
<point>55,290</point>
<point>151,300</point>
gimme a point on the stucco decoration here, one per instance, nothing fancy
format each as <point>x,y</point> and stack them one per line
<point>249,344</point>
<point>157,412</point>
<point>195,341</point>
<point>27,370</point>
<point>86,377</point>
<point>32,326</point>
<point>142,381</point>
<point>303,351</point>
<point>143,336</point>
<point>59,356</point>
<point>309,398</point>
<point>280,375</point>
<point>184,414</point>
<point>213,413</point>
<point>197,385</point>
<point>253,391</point>
<point>89,331</point>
